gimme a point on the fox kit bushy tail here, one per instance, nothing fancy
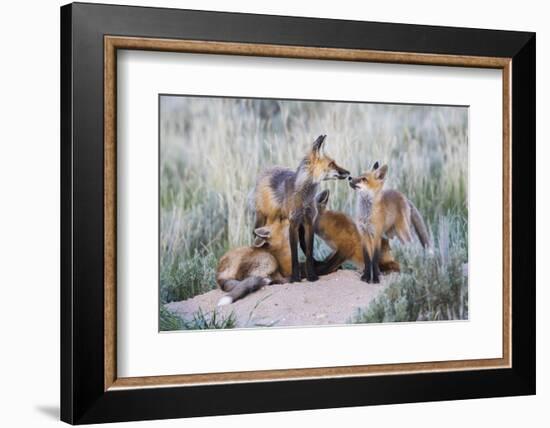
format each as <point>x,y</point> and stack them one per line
<point>237,289</point>
<point>383,212</point>
<point>419,226</point>
<point>282,193</point>
<point>244,270</point>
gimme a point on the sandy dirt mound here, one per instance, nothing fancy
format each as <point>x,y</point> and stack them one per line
<point>333,299</point>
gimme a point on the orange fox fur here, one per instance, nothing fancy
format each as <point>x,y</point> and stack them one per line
<point>340,233</point>
<point>246,269</point>
<point>383,212</point>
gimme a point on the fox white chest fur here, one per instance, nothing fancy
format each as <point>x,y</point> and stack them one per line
<point>363,216</point>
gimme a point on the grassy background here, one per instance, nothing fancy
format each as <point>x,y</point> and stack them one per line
<point>213,148</point>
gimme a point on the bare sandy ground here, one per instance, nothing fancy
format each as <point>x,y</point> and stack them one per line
<point>333,299</point>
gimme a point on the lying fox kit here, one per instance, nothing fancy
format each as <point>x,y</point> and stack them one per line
<point>282,193</point>
<point>383,212</point>
<point>340,233</point>
<point>246,269</point>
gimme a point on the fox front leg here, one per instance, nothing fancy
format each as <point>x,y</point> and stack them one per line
<point>376,265</point>
<point>310,265</point>
<point>302,235</point>
<point>376,246</point>
<point>368,265</point>
<point>293,241</point>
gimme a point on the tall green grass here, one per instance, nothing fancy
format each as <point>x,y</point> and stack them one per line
<point>212,150</point>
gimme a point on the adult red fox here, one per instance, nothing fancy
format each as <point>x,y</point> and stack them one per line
<point>340,233</point>
<point>383,212</point>
<point>246,269</point>
<point>282,193</point>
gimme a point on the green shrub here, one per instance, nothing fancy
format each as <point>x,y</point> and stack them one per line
<point>210,320</point>
<point>199,321</point>
<point>431,286</point>
<point>168,321</point>
<point>187,277</point>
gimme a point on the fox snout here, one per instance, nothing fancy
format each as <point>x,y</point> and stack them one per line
<point>337,173</point>
<point>353,182</point>
<point>342,173</point>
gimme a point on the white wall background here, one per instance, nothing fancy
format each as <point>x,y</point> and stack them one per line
<point>29,214</point>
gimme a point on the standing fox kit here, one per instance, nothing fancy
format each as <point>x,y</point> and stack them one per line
<point>282,193</point>
<point>383,212</point>
<point>246,269</point>
<point>340,233</point>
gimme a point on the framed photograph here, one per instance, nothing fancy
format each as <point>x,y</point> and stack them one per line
<point>266,213</point>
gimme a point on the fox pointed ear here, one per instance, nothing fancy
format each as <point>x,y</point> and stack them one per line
<point>259,242</point>
<point>318,144</point>
<point>322,198</point>
<point>262,232</point>
<point>375,166</point>
<point>381,172</point>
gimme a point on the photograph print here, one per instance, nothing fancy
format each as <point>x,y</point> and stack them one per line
<point>278,212</point>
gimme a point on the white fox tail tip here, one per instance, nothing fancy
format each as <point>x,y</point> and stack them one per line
<point>225,300</point>
<point>266,281</point>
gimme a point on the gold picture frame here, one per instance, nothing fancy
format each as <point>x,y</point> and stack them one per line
<point>114,43</point>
